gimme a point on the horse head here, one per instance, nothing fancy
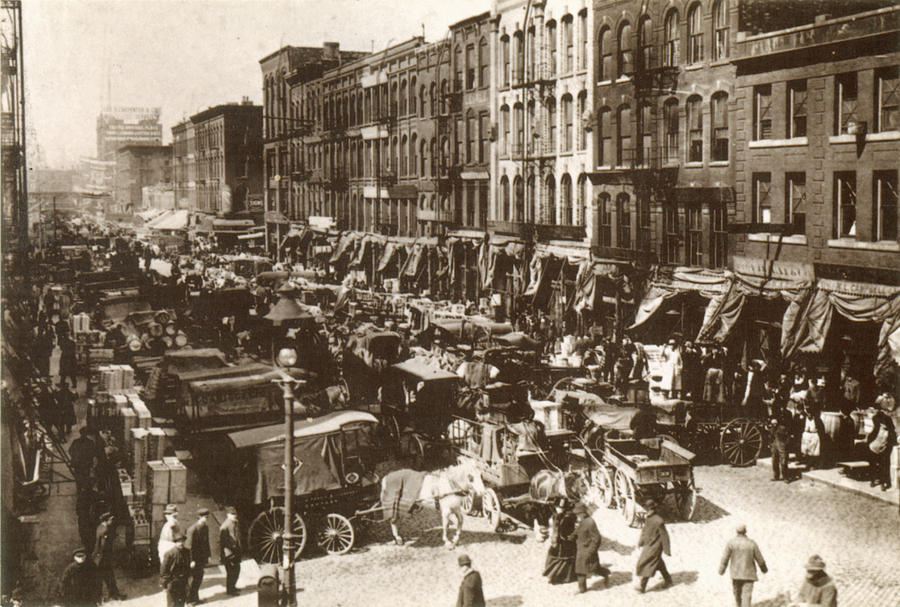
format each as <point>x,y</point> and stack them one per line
<point>468,477</point>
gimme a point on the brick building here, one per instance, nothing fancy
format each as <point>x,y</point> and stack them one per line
<point>138,166</point>
<point>184,165</point>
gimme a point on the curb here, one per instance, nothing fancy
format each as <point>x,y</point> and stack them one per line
<point>892,496</point>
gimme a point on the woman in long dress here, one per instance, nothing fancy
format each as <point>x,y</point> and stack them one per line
<point>560,565</point>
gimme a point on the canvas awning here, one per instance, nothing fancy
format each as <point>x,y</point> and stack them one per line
<point>343,246</point>
<point>326,424</point>
<point>414,261</point>
<point>288,312</point>
<point>390,252</point>
<point>708,283</point>
<point>588,281</point>
<point>170,220</point>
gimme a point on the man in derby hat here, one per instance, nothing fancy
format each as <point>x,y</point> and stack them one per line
<point>742,555</point>
<point>78,587</point>
<point>654,541</point>
<point>198,545</point>
<point>175,571</point>
<point>103,556</point>
<point>587,542</point>
<point>168,531</point>
<point>470,591</point>
<point>818,589</point>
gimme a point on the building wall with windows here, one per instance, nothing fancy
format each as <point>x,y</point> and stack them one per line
<point>542,99</point>
<point>817,143</point>
<point>138,166</point>
<point>184,165</point>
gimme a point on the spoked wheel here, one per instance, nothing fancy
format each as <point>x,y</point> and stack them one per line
<point>337,534</point>
<point>625,496</point>
<point>454,529</point>
<point>266,536</point>
<point>471,504</point>
<point>603,483</point>
<point>741,442</point>
<point>490,508</point>
<point>685,498</point>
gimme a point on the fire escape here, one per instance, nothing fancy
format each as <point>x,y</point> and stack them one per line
<point>15,196</point>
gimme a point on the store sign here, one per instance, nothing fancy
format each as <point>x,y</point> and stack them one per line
<point>768,268</point>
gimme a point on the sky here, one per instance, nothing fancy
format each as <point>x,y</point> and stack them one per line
<point>186,55</point>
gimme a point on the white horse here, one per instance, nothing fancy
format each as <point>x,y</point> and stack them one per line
<point>446,491</point>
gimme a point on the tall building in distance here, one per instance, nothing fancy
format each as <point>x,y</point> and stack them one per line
<point>184,165</point>
<point>138,166</point>
<point>121,126</point>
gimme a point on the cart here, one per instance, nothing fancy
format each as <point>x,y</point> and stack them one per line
<point>334,483</point>
<point>630,471</point>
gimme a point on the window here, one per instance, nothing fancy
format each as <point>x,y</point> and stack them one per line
<point>762,200</point>
<point>887,102</point>
<point>885,207</point>
<point>584,38</point>
<point>529,201</point>
<point>604,136</point>
<point>403,98</point>
<point>458,142</point>
<point>584,194</point>
<point>424,165</point>
<point>623,221</point>
<point>504,130</point>
<point>422,107</point>
<point>532,56</point>
<point>551,122</point>
<point>569,40</point>
<point>762,112</point>
<point>484,132</point>
<point>720,31</point>
<point>404,156</point>
<point>670,118</point>
<point>845,103</point>
<point>531,141</point>
<point>503,213</point>
<point>795,201</point>
<point>670,44</point>
<point>551,44</point>
<point>695,34</point>
<point>413,160</point>
<point>796,110</point>
<point>565,200</point>
<point>550,208</point>
<point>844,211</point>
<point>471,136</point>
<point>520,57</point>
<point>580,116</point>
<point>519,194</point>
<point>458,80</point>
<point>695,129</point>
<point>645,43</point>
<point>519,124</point>
<point>568,127</point>
<point>643,222</point>
<point>504,57</point>
<point>623,148</point>
<point>625,57</point>
<point>670,234</point>
<point>605,65</point>
<point>719,117</point>
<point>470,67</point>
<point>484,57</point>
<point>646,130</point>
<point>604,223</point>
<point>471,193</point>
<point>695,235</point>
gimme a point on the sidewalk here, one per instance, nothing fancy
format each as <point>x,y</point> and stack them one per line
<point>835,478</point>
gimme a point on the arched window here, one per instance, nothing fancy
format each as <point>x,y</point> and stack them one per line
<point>645,43</point>
<point>671,128</point>
<point>359,109</point>
<point>584,194</point>
<point>443,96</point>
<point>580,116</point>
<point>720,29</point>
<point>623,221</point>
<point>531,142</point>
<point>550,206</point>
<point>624,150</point>
<point>519,126</point>
<point>565,200</point>
<point>604,220</point>
<point>404,156</point>
<point>605,52</point>
<point>719,130</point>
<point>519,57</point>
<point>413,159</point>
<point>568,123</point>
<point>458,68</point>
<point>423,155</point>
<point>695,128</point>
<point>484,59</point>
<point>529,200</point>
<point>551,47</point>
<point>392,163</point>
<point>393,103</point>
<point>353,110</point>
<point>695,34</point>
<point>504,60</point>
<point>645,128</point>
<point>626,58</point>
<point>431,104</point>
<point>503,211</point>
<point>604,130</point>
<point>532,55</point>
<point>519,194</point>
<point>432,156</point>
<point>551,124</point>
<point>412,96</point>
<point>569,43</point>
<point>402,97</point>
<point>368,109</point>
<point>471,136</point>
<point>504,130</point>
<point>361,161</point>
<point>584,38</point>
<point>671,39</point>
<point>423,111</point>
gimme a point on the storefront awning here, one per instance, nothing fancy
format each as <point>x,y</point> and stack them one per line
<point>170,220</point>
<point>708,283</point>
<point>343,246</point>
<point>390,252</point>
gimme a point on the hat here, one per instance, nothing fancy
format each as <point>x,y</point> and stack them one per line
<point>580,508</point>
<point>202,511</point>
<point>170,509</point>
<point>79,552</point>
<point>464,560</point>
<point>106,516</point>
<point>650,504</point>
<point>672,341</point>
<point>742,529</point>
<point>815,563</point>
<point>231,510</point>
<point>179,536</point>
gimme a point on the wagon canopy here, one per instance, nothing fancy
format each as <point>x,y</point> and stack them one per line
<point>320,451</point>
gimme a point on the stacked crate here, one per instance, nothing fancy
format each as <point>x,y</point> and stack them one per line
<point>166,484</point>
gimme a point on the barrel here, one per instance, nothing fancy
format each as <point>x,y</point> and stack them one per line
<point>832,422</point>
<point>168,341</point>
<point>162,317</point>
<point>181,339</point>
<point>135,345</point>
<point>171,329</point>
<point>156,329</point>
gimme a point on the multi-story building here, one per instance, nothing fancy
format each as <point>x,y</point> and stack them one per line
<point>138,166</point>
<point>121,126</point>
<point>817,151</point>
<point>228,158</point>
<point>184,165</point>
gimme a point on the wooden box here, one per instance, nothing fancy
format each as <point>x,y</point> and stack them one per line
<point>158,482</point>
<point>177,480</point>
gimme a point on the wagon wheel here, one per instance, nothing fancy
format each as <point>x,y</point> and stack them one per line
<point>741,442</point>
<point>490,508</point>
<point>266,535</point>
<point>337,534</point>
<point>625,497</point>
<point>604,485</point>
<point>685,498</point>
<point>454,528</point>
<point>471,504</point>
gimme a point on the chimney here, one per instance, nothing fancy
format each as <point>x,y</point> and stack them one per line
<point>245,100</point>
<point>331,51</point>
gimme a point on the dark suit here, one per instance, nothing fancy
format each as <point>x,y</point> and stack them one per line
<point>470,592</point>
<point>587,542</point>
<point>198,545</point>
<point>230,553</point>
<point>103,558</point>
<point>174,574</point>
<point>654,541</point>
<point>742,555</point>
<point>78,587</point>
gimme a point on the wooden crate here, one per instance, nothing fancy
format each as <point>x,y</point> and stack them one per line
<point>158,482</point>
<point>177,480</point>
<point>141,523</point>
<point>139,457</point>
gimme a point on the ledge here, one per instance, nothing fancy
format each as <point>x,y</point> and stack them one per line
<point>763,237</point>
<point>779,143</point>
<point>885,136</point>
<point>719,163</point>
<point>694,66</point>
<point>863,245</point>
<point>604,83</point>
<point>693,165</point>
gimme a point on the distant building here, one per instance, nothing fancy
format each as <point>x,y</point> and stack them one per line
<point>159,196</point>
<point>184,165</point>
<point>121,126</point>
<point>138,166</point>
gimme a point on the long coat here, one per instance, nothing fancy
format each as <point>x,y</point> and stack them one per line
<point>103,545</point>
<point>79,586</point>
<point>470,592</point>
<point>743,555</point>
<point>198,542</point>
<point>229,540</point>
<point>587,542</point>
<point>654,541</point>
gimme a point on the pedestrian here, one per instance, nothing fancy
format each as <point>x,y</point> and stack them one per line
<point>643,424</point>
<point>742,555</point>
<point>751,400</point>
<point>168,532</point>
<point>175,571</point>
<point>103,556</point>
<point>198,544</point>
<point>692,383</point>
<point>587,542</point>
<point>470,591</point>
<point>65,404</point>
<point>818,589</point>
<point>714,383</point>
<point>654,542</point>
<point>85,510</point>
<point>78,587</point>
<point>881,441</point>
<point>811,438</point>
<point>230,549</point>
<point>67,360</point>
<point>850,388</point>
<point>81,454</point>
<point>780,424</point>
<point>559,567</point>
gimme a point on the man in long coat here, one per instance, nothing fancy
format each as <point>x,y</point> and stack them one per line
<point>78,587</point>
<point>175,571</point>
<point>742,555</point>
<point>103,556</point>
<point>654,541</point>
<point>470,593</point>
<point>198,544</point>
<point>230,550</point>
<point>587,542</point>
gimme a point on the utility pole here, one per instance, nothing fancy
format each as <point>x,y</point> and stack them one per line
<point>288,384</point>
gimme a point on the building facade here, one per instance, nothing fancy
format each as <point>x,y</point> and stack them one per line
<point>121,126</point>
<point>184,165</point>
<point>138,166</point>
